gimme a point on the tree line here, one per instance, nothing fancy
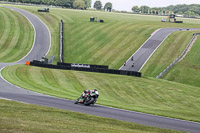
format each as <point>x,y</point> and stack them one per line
<point>182,9</point>
<point>76,4</point>
<point>192,10</point>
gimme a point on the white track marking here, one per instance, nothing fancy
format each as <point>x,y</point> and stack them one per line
<point>141,46</point>
<point>154,51</point>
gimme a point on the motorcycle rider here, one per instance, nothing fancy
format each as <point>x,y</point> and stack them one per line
<point>87,91</point>
<point>82,97</point>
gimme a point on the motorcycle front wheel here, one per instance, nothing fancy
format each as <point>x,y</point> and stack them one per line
<point>76,102</point>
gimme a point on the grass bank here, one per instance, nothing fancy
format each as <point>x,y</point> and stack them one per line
<point>169,51</point>
<point>19,117</point>
<point>187,71</point>
<point>16,35</point>
<point>146,95</point>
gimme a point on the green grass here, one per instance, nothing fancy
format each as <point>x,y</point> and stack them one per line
<point>110,43</point>
<point>169,51</point>
<point>146,95</point>
<point>114,41</point>
<point>188,70</point>
<point>16,35</point>
<point>20,118</point>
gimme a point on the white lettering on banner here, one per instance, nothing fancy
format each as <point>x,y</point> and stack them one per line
<point>80,65</point>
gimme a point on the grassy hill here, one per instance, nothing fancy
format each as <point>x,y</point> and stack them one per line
<point>171,49</point>
<point>19,117</point>
<point>188,70</point>
<point>16,35</point>
<point>114,41</point>
<point>110,43</point>
<point>147,95</point>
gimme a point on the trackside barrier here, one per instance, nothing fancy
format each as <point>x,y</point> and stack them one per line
<point>178,59</point>
<point>92,69</point>
<point>61,42</point>
<point>83,65</point>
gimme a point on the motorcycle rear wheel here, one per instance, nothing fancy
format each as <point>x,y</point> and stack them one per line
<point>89,101</point>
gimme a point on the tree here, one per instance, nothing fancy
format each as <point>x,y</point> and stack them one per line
<point>108,6</point>
<point>179,12</point>
<point>26,1</point>
<point>144,9</point>
<point>63,3</point>
<point>79,4</point>
<point>87,3</point>
<point>98,5</point>
<point>135,9</point>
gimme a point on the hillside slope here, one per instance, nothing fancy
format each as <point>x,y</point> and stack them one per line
<point>16,35</point>
<point>110,43</point>
<point>147,95</point>
<point>187,71</point>
<point>20,117</point>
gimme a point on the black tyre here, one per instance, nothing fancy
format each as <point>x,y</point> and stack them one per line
<point>89,101</point>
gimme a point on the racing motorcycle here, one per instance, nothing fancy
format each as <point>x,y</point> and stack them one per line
<point>88,97</point>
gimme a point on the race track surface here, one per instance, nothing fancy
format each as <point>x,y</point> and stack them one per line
<point>41,47</point>
<point>42,41</point>
<point>142,55</point>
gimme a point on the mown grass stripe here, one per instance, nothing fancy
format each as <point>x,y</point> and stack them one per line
<point>116,44</point>
<point>13,36</point>
<point>14,45</point>
<point>144,95</point>
<point>92,47</point>
<point>92,31</point>
<point>25,38</point>
<point>103,46</point>
<point>6,32</point>
<point>83,47</point>
<point>19,117</point>
<point>2,22</point>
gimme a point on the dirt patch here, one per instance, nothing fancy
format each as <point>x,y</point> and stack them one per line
<point>189,48</point>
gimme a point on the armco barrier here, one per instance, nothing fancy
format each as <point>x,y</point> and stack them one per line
<point>92,69</point>
<point>178,59</point>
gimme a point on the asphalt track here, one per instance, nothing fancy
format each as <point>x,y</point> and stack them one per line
<point>40,48</point>
<point>142,55</point>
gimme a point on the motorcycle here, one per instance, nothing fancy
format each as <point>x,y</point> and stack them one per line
<point>88,98</point>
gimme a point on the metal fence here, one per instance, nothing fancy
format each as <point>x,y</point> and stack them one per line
<point>50,60</point>
<point>61,42</point>
<point>178,59</point>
